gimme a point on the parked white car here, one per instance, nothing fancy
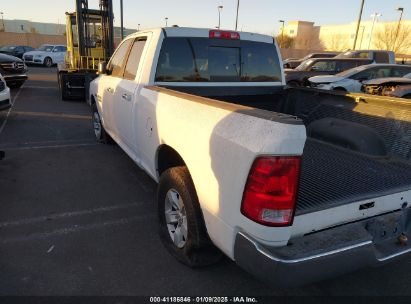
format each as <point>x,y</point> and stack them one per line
<point>47,55</point>
<point>352,80</point>
<point>5,100</point>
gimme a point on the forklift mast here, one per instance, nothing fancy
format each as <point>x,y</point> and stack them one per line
<point>90,40</point>
<point>84,16</point>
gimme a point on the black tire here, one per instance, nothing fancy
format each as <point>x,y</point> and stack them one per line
<point>408,96</point>
<point>197,250</point>
<point>293,83</point>
<point>48,62</point>
<point>99,131</point>
<point>62,87</point>
<point>339,89</point>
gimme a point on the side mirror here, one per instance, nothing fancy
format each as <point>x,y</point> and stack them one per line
<point>102,68</point>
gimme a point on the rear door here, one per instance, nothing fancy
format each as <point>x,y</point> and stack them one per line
<point>126,102</point>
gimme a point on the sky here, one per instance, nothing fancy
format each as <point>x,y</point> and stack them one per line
<point>261,16</point>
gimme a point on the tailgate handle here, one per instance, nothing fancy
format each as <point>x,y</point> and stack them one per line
<point>367,206</point>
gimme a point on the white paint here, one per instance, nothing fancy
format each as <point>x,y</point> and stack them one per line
<point>348,213</point>
<point>3,125</point>
<point>217,145</point>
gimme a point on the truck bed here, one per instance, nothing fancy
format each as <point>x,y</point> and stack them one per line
<point>332,176</point>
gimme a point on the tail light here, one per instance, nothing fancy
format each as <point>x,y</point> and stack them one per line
<point>271,190</point>
<point>224,34</point>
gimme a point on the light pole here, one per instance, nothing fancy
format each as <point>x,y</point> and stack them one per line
<point>138,27</point>
<point>2,21</point>
<point>121,20</point>
<point>220,8</point>
<point>358,23</point>
<point>362,35</point>
<point>166,19</point>
<point>282,33</point>
<point>374,16</point>
<point>236,18</point>
<point>401,10</point>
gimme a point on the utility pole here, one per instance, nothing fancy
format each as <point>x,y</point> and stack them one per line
<point>236,18</point>
<point>362,35</point>
<point>358,24</point>
<point>374,19</point>
<point>2,21</point>
<point>282,33</point>
<point>220,8</point>
<point>401,9</point>
<point>121,19</point>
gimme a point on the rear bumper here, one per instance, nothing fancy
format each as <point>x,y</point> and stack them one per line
<point>12,78</point>
<point>327,253</point>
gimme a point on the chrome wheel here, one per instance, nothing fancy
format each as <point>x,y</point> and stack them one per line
<point>176,218</point>
<point>97,125</point>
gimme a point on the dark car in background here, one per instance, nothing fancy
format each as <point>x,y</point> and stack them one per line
<point>13,69</point>
<point>378,56</point>
<point>320,66</point>
<point>292,63</point>
<point>15,50</point>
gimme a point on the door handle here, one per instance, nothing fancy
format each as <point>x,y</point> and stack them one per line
<point>126,97</point>
<point>110,90</point>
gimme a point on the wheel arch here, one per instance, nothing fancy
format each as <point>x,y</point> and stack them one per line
<point>166,158</point>
<point>341,89</point>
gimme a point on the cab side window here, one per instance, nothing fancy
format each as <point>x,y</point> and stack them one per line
<point>133,61</point>
<point>324,66</point>
<point>60,49</point>
<point>117,62</point>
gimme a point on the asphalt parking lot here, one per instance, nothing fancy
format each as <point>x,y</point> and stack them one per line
<point>78,217</point>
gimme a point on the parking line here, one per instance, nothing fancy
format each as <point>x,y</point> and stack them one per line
<point>69,214</point>
<point>51,147</point>
<point>76,228</point>
<point>39,87</point>
<point>3,125</point>
<point>53,115</point>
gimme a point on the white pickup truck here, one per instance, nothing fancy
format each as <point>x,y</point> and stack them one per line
<point>294,185</point>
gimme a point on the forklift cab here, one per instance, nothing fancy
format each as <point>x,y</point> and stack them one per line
<point>92,43</point>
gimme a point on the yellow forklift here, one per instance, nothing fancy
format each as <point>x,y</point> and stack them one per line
<point>90,40</point>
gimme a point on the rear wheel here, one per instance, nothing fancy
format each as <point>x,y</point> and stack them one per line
<point>48,62</point>
<point>182,229</point>
<point>408,96</point>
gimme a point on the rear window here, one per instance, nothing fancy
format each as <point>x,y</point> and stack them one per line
<point>207,60</point>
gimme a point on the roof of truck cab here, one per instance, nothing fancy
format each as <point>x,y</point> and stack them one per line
<point>203,32</point>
